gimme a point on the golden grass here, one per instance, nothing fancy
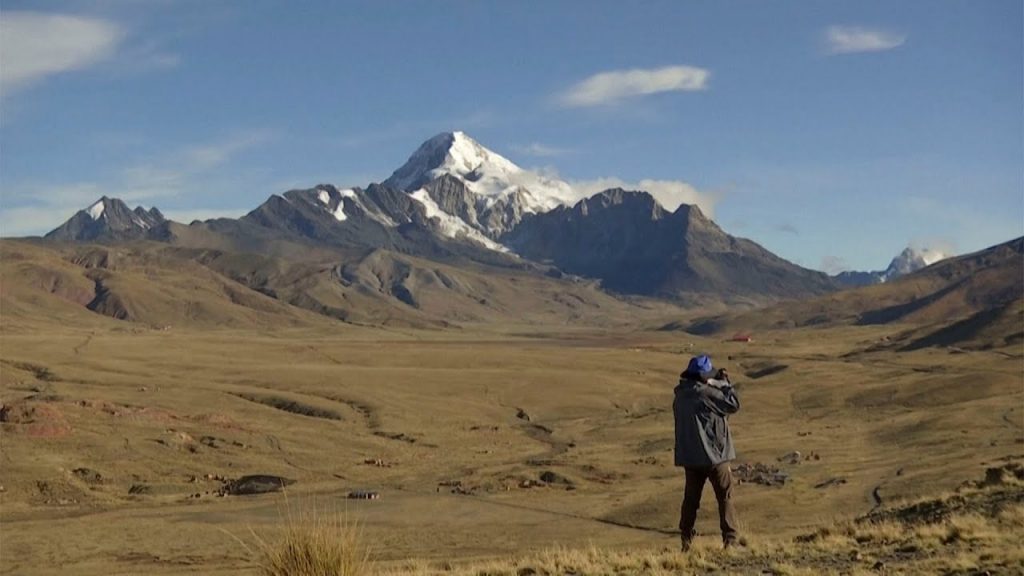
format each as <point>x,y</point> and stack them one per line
<point>315,541</point>
<point>965,542</point>
<point>126,393</point>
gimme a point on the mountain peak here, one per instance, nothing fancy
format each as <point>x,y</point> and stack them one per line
<point>98,208</point>
<point>108,219</point>
<point>910,260</point>
<point>457,154</point>
<point>484,172</point>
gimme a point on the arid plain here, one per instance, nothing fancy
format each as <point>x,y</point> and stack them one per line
<point>128,422</point>
<point>544,425</point>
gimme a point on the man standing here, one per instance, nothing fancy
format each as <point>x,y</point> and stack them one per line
<point>703,402</point>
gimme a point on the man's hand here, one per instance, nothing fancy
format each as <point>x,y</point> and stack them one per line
<point>723,374</point>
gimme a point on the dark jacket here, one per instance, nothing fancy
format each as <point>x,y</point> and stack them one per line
<point>702,426</point>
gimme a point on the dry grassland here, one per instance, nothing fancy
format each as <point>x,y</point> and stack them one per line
<point>111,432</point>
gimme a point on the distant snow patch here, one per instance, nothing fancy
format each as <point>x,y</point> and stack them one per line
<point>96,210</point>
<point>371,211</point>
<point>452,226</point>
<point>339,211</point>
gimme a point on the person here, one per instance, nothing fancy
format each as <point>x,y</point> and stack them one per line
<point>703,402</point>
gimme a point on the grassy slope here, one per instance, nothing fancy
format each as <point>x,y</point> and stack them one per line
<point>108,422</point>
<point>154,408</point>
<point>975,530</point>
<point>158,285</point>
<point>968,287</point>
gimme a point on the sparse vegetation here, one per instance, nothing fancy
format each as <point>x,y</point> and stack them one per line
<point>963,543</point>
<point>148,411</point>
<point>315,541</point>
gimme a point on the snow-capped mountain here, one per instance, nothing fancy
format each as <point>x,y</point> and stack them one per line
<point>109,218</point>
<point>375,217</point>
<point>458,202</point>
<point>497,192</point>
<point>909,260</point>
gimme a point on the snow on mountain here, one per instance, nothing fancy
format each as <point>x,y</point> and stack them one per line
<point>907,261</point>
<point>333,201</point>
<point>484,172</point>
<point>453,226</point>
<point>96,210</point>
<point>108,219</point>
<point>339,210</point>
<point>911,260</point>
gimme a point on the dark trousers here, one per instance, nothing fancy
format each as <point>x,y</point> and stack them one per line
<point>721,481</point>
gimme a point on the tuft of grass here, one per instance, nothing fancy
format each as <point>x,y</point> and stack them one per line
<point>316,541</point>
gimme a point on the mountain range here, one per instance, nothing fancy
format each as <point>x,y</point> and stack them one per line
<point>460,234</point>
<point>456,201</point>
<point>974,301</point>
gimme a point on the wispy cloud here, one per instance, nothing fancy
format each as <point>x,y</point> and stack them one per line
<point>616,85</point>
<point>38,208</point>
<point>541,150</point>
<point>205,156</point>
<point>669,193</point>
<point>853,39</point>
<point>35,45</point>
<point>788,228</point>
<point>833,265</point>
<point>146,55</point>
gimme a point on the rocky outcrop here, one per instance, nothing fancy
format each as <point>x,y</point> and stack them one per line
<point>633,245</point>
<point>108,219</point>
<point>492,216</point>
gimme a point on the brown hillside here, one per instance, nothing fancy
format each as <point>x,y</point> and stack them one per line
<point>159,285</point>
<point>976,292</point>
<point>143,283</point>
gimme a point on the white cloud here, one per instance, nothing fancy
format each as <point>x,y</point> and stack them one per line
<point>212,155</point>
<point>610,87</point>
<point>669,193</point>
<point>28,220</point>
<point>34,45</point>
<point>853,39</point>
<point>833,265</point>
<point>934,248</point>
<point>541,150</point>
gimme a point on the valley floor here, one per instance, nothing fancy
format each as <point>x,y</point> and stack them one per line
<point>116,441</point>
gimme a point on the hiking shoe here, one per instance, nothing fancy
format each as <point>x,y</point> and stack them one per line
<point>728,544</point>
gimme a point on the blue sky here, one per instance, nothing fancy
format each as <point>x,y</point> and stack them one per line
<point>833,133</point>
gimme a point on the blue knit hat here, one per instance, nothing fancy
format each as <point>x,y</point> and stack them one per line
<point>700,365</point>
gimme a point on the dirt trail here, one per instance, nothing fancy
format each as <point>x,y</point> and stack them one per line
<point>82,345</point>
<point>1014,423</point>
<point>876,496</point>
<point>548,511</point>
